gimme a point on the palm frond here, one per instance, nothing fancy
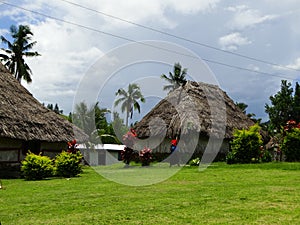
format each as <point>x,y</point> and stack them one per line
<point>168,87</point>
<point>137,106</point>
<point>31,54</point>
<point>7,42</point>
<point>121,92</point>
<point>4,57</point>
<point>117,102</point>
<point>163,76</point>
<point>29,46</point>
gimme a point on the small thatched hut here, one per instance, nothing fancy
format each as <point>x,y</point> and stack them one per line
<point>196,108</point>
<point>25,124</point>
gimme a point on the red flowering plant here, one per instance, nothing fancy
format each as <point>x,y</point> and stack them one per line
<point>145,156</point>
<point>128,153</point>
<point>72,146</point>
<point>291,124</point>
<point>129,138</point>
<point>291,142</point>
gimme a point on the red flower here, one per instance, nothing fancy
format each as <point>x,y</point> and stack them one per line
<point>72,146</point>
<point>129,138</point>
<point>291,122</point>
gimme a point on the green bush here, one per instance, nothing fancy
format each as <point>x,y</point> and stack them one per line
<point>291,145</point>
<point>194,162</point>
<point>230,158</point>
<point>36,167</point>
<point>68,164</point>
<point>266,156</point>
<point>246,144</point>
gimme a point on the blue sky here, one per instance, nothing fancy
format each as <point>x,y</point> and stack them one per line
<point>266,30</point>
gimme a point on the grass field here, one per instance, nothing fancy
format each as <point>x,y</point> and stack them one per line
<point>222,194</point>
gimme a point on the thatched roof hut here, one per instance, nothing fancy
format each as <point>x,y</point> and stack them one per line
<point>25,124</point>
<point>196,104</point>
<point>194,96</point>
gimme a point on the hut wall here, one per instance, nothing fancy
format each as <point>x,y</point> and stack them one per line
<point>10,150</point>
<point>186,146</point>
<point>51,149</point>
<point>10,155</point>
<point>14,151</point>
<point>157,145</point>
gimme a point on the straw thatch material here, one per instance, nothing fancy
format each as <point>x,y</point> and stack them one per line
<point>192,105</point>
<point>23,117</point>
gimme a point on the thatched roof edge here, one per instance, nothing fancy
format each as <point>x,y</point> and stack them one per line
<point>23,117</point>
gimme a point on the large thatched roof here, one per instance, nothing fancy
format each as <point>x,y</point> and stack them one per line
<point>196,105</point>
<point>23,117</point>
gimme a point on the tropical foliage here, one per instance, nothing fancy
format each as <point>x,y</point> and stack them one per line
<point>92,121</point>
<point>36,167</point>
<point>246,145</point>
<point>68,164</point>
<point>145,156</point>
<point>17,50</point>
<point>65,164</point>
<point>129,139</point>
<point>129,100</point>
<point>291,141</point>
<point>284,106</point>
<point>176,79</point>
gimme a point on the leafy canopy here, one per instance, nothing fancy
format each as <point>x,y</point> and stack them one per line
<point>176,79</point>
<point>282,108</point>
<point>129,100</point>
<point>246,144</point>
<point>16,51</point>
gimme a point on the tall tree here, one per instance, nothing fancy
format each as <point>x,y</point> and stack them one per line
<point>17,50</point>
<point>83,118</point>
<point>100,120</point>
<point>296,103</point>
<point>92,121</point>
<point>281,108</point>
<point>129,100</point>
<point>176,79</point>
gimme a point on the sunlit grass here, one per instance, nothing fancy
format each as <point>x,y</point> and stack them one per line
<point>222,194</point>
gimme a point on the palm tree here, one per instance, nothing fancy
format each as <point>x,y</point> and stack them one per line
<point>129,100</point>
<point>83,117</point>
<point>14,57</point>
<point>176,79</point>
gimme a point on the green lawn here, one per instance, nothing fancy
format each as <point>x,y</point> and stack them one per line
<point>222,194</point>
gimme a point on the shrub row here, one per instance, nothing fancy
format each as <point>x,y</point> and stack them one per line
<point>37,167</point>
<point>291,145</point>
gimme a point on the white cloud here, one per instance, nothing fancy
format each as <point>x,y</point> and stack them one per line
<point>232,41</point>
<point>66,54</point>
<point>67,51</point>
<point>294,66</point>
<point>245,17</point>
<point>192,6</point>
<point>142,11</point>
